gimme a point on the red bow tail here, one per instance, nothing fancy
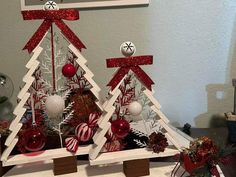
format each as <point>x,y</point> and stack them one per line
<point>142,77</point>
<point>38,36</point>
<point>118,77</point>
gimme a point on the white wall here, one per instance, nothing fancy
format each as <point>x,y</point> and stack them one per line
<point>192,42</point>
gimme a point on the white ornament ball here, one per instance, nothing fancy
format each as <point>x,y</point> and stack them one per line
<point>135,108</point>
<point>127,48</point>
<point>54,105</point>
<point>50,5</point>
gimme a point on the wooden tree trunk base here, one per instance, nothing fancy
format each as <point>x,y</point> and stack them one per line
<point>136,168</point>
<point>65,165</point>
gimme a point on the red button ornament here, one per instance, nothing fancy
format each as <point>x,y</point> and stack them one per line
<point>68,70</point>
<point>120,128</point>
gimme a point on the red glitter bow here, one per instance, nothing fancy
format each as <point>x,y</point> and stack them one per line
<point>130,63</point>
<point>52,16</point>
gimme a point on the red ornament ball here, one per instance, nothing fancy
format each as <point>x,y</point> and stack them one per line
<point>120,128</point>
<point>34,139</point>
<point>68,70</point>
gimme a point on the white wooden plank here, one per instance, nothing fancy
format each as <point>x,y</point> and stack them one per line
<point>88,72</point>
<point>44,155</point>
<point>29,74</point>
<point>81,59</point>
<point>183,142</point>
<point>28,79</point>
<point>13,134</point>
<point>37,52</point>
<point>160,114</point>
<point>21,103</point>
<point>189,138</point>
<point>82,5</point>
<point>101,133</point>
<point>98,103</point>
<point>149,94</point>
<point>96,149</point>
<point>8,150</point>
<point>95,89</point>
<point>25,88</point>
<point>170,138</point>
<point>17,118</point>
<point>112,101</point>
<point>106,117</point>
<point>120,156</point>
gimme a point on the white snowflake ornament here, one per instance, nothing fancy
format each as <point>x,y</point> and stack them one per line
<point>50,5</point>
<point>127,48</point>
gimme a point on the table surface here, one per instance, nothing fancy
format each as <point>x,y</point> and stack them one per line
<point>160,166</point>
<point>163,169</point>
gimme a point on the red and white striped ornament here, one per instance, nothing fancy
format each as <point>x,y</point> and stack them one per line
<point>93,120</point>
<point>72,144</point>
<point>83,132</point>
<point>113,146</point>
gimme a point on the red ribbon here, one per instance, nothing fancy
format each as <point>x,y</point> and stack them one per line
<point>130,63</point>
<point>52,16</point>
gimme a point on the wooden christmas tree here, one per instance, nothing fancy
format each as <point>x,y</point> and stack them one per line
<point>53,83</point>
<point>120,107</point>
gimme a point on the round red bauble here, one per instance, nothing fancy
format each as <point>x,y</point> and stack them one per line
<point>120,128</point>
<point>34,139</point>
<point>68,70</point>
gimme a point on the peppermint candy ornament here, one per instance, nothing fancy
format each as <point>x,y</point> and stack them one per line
<point>72,144</point>
<point>85,131</point>
<point>50,5</point>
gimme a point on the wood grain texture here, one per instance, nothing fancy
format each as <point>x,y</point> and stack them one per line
<point>135,168</point>
<point>64,165</point>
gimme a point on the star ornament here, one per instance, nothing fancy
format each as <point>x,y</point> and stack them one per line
<point>127,48</point>
<point>51,5</point>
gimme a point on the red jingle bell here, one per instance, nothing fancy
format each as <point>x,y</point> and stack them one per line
<point>120,128</point>
<point>68,70</point>
<point>34,139</point>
